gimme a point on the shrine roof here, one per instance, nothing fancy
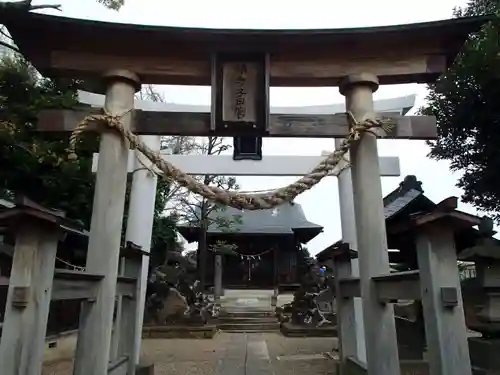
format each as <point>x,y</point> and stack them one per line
<point>69,229</point>
<point>181,55</point>
<point>287,219</point>
<point>406,207</point>
<point>408,193</point>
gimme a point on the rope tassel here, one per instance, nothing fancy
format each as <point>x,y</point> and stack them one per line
<point>229,198</point>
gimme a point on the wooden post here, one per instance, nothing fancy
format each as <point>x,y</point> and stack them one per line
<point>346,321</point>
<point>28,300</point>
<point>94,338</point>
<point>445,329</point>
<point>128,329</point>
<point>380,329</point>
<point>202,253</point>
<point>352,309</point>
<point>140,224</point>
<point>274,298</point>
<point>117,323</point>
<point>218,278</point>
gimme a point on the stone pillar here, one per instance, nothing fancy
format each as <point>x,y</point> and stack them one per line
<point>114,353</point>
<point>218,278</point>
<point>28,300</point>
<point>342,256</point>
<point>354,308</point>
<point>380,329</point>
<point>140,225</point>
<point>96,317</point>
<point>445,331</point>
<point>132,265</point>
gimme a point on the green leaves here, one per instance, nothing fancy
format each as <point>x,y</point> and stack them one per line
<point>35,163</point>
<point>465,102</point>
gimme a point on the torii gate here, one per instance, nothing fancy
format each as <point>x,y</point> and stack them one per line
<point>141,207</point>
<point>240,65</point>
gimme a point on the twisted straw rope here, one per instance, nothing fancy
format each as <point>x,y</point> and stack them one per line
<point>230,198</point>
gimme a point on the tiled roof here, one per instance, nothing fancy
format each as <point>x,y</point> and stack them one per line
<point>285,219</point>
<point>280,220</point>
<point>407,192</point>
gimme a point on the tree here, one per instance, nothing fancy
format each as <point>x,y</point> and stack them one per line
<point>36,164</point>
<point>112,4</point>
<point>465,103</point>
<point>164,225</point>
<point>26,5</point>
<point>202,213</point>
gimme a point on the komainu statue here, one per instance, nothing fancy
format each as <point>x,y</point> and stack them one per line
<point>173,299</point>
<point>304,309</point>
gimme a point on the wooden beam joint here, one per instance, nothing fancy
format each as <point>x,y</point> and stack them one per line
<point>398,285</point>
<point>349,287</point>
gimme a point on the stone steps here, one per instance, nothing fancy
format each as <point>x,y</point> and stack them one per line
<point>248,320</point>
<point>245,313</point>
<point>250,327</point>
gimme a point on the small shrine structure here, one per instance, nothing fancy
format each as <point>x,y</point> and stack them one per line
<point>264,246</point>
<point>472,239</point>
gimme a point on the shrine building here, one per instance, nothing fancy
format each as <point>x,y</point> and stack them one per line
<point>266,246</point>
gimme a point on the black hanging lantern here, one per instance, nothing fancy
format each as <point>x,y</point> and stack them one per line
<point>240,101</point>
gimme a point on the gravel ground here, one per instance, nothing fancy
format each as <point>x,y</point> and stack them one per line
<point>226,354</point>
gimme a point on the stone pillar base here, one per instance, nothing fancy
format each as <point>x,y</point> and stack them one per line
<point>484,355</point>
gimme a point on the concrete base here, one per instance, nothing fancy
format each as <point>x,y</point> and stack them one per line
<point>145,369</point>
<point>484,355</point>
<point>179,332</point>
<point>416,367</point>
<point>291,330</point>
<point>356,367</point>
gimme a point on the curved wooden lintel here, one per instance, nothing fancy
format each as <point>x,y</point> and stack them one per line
<point>173,55</point>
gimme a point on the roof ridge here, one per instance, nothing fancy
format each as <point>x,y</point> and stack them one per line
<point>410,182</point>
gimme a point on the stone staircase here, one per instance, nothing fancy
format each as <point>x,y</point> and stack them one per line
<point>248,321</point>
<point>247,311</point>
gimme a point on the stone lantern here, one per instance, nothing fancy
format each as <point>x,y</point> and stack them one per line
<point>486,256</point>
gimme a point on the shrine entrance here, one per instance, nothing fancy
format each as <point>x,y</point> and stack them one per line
<point>240,66</point>
<point>262,249</point>
<point>248,271</point>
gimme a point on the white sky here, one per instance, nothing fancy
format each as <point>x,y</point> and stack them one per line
<point>321,203</point>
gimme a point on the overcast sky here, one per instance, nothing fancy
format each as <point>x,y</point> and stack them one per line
<point>321,203</point>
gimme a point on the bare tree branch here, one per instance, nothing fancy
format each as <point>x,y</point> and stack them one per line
<point>9,46</point>
<point>25,6</point>
<point>47,6</point>
<point>4,33</point>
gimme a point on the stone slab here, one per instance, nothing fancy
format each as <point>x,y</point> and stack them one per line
<point>291,330</point>
<point>485,353</point>
<point>172,332</point>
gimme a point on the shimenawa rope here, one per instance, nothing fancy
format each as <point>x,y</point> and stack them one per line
<point>231,198</point>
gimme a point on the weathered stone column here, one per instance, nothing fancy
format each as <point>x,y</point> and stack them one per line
<point>445,330</point>
<point>342,257</point>
<point>30,290</point>
<point>96,320</point>
<point>140,219</point>
<point>353,308</point>
<point>380,329</point>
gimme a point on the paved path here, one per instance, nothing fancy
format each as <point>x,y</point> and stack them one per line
<point>229,354</point>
